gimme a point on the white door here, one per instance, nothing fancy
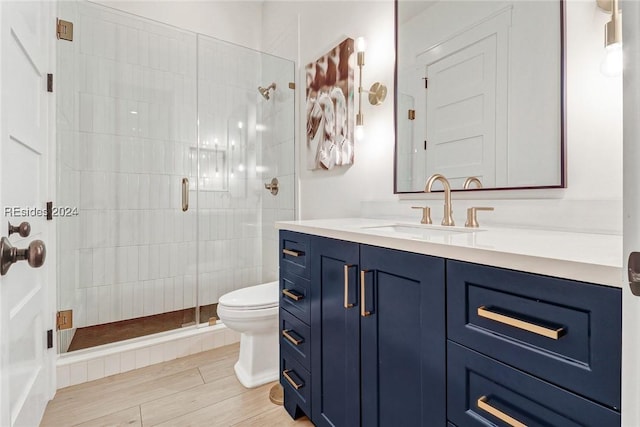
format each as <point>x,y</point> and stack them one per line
<point>631,210</point>
<point>25,315</point>
<point>461,113</point>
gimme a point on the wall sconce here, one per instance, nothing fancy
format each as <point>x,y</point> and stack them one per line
<point>612,63</point>
<point>377,92</point>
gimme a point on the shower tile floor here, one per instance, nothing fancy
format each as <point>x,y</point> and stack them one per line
<point>107,333</point>
<point>198,390</point>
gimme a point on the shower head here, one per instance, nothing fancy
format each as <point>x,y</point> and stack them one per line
<point>265,91</point>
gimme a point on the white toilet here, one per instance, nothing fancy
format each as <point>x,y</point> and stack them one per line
<point>253,312</point>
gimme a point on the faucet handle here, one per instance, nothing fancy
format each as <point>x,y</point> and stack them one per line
<point>472,221</point>
<point>426,214</point>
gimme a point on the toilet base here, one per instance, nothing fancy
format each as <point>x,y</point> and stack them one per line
<point>259,362</point>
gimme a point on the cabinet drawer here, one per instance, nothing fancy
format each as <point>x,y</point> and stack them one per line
<point>294,253</point>
<point>484,392</point>
<point>565,332</point>
<point>295,293</point>
<point>296,382</point>
<point>294,337</point>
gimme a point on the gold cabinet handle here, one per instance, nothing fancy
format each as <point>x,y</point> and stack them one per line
<point>520,324</point>
<point>292,252</point>
<point>185,194</point>
<point>290,380</point>
<point>482,404</point>
<point>363,312</point>
<point>290,294</point>
<point>347,304</point>
<point>290,338</point>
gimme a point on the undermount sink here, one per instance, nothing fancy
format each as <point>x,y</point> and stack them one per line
<point>420,231</point>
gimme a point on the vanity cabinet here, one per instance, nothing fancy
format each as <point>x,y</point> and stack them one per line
<point>377,331</point>
<point>383,337</point>
<point>531,349</point>
<point>295,330</point>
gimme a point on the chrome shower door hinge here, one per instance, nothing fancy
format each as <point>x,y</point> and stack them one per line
<point>64,30</point>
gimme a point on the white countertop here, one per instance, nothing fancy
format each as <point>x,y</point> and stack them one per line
<point>593,258</point>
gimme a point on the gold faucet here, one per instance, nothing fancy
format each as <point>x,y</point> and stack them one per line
<point>471,180</point>
<point>448,219</point>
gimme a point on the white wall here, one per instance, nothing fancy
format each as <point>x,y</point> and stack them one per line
<point>233,21</point>
<point>322,25</point>
<point>594,123</point>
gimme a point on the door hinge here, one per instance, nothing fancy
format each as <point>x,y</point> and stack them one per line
<point>49,82</point>
<point>412,114</point>
<point>292,85</point>
<point>49,211</point>
<point>64,30</point>
<point>425,144</point>
<point>426,82</point>
<point>50,338</point>
<point>64,320</point>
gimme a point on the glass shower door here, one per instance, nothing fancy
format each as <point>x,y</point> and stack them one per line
<point>229,215</point>
<point>246,134</point>
<point>126,131</point>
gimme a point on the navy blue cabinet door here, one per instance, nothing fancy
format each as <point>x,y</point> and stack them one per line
<point>403,344</point>
<point>335,342</point>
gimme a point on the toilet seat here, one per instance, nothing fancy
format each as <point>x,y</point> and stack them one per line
<point>257,297</point>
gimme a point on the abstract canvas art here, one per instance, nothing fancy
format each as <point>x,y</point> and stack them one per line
<point>330,113</point>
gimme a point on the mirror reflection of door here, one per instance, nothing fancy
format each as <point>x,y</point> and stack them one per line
<point>461,113</point>
<point>465,103</point>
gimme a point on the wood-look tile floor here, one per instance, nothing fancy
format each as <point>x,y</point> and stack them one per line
<point>198,390</point>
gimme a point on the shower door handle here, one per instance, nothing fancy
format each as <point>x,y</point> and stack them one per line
<point>185,194</point>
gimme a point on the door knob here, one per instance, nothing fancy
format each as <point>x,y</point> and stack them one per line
<point>35,254</point>
<point>634,273</point>
<point>24,229</point>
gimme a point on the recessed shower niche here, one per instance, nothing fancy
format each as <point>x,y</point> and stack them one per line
<point>142,106</point>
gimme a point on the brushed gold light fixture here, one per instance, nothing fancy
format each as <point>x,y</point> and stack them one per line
<point>377,92</point>
<point>612,62</point>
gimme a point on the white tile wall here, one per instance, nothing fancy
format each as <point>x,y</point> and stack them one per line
<point>127,115</point>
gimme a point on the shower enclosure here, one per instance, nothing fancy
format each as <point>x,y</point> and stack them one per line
<point>165,143</point>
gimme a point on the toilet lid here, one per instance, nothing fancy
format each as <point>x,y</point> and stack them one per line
<point>252,297</point>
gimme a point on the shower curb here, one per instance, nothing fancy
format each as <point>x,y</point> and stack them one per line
<point>90,364</point>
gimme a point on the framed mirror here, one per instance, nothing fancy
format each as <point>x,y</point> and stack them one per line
<point>480,93</point>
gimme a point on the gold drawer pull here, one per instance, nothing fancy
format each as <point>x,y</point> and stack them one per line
<point>292,253</point>
<point>288,336</point>
<point>520,324</point>
<point>363,312</point>
<point>290,380</point>
<point>482,404</point>
<point>294,296</point>
<point>347,304</point>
